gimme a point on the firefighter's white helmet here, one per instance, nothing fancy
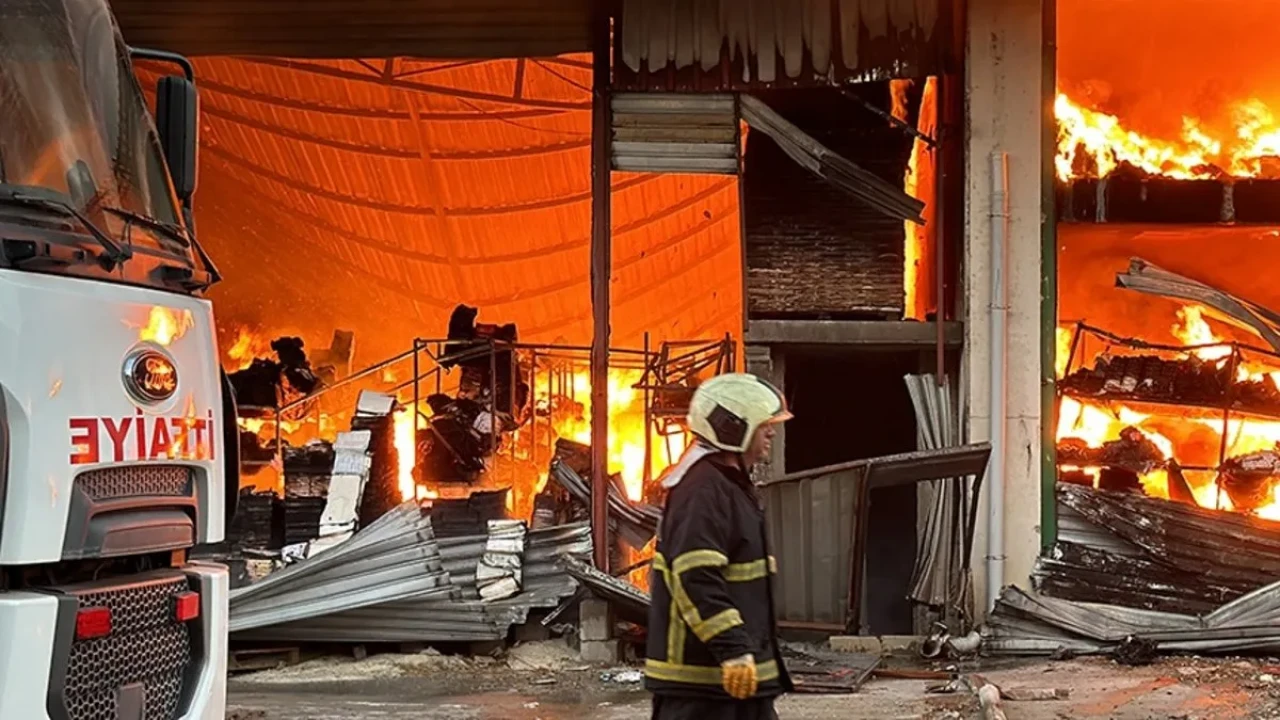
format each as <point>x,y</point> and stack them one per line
<point>727,410</point>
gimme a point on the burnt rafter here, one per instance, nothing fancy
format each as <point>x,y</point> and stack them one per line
<point>381,151</point>
<point>316,68</point>
<point>389,207</point>
<point>399,251</point>
<point>429,258</point>
<point>442,67</point>
<point>367,113</point>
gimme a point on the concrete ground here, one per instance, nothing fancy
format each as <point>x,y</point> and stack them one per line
<point>433,687</point>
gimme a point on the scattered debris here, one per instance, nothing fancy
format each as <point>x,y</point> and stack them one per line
<point>345,669</point>
<point>1035,694</point>
<point>818,671</point>
<point>550,655</point>
<point>261,659</point>
<point>626,676</point>
<point>637,521</point>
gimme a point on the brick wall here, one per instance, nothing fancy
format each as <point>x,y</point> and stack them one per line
<point>812,250</point>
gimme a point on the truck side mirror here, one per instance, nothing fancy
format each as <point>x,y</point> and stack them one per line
<point>178,122</point>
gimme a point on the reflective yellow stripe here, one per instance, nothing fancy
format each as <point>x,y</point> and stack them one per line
<point>675,624</point>
<point>700,674</point>
<point>684,613</point>
<point>716,624</point>
<point>773,565</point>
<point>675,634</point>
<point>695,559</point>
<point>746,572</point>
<point>691,560</point>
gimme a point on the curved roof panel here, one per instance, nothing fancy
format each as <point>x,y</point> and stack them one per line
<point>377,195</point>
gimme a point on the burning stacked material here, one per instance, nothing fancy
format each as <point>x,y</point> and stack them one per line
<point>1250,480</point>
<point>1118,465</point>
<point>1133,450</point>
<point>492,400</point>
<point>307,471</point>
<point>1151,378</point>
<point>268,383</point>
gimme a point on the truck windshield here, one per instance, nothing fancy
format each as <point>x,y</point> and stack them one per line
<point>74,127</point>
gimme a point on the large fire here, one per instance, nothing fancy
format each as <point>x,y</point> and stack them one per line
<point>919,183</point>
<point>1092,143</point>
<point>247,346</point>
<point>626,452</point>
<point>1190,438</point>
<point>165,325</point>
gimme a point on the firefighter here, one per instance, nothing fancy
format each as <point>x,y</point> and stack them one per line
<point>713,645</point>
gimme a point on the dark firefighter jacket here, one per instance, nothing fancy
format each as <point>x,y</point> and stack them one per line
<point>711,591</point>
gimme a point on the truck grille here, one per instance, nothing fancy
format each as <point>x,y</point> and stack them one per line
<point>135,481</point>
<point>147,647</point>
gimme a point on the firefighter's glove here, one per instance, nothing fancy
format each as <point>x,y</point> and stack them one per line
<point>739,677</point>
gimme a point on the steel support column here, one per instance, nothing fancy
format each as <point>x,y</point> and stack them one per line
<point>1048,280</point>
<point>601,275</point>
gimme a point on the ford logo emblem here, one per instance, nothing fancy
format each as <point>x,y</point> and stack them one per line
<point>150,376</point>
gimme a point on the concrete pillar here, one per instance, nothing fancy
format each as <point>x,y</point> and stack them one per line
<point>595,632</point>
<point>1004,113</point>
<point>768,362</point>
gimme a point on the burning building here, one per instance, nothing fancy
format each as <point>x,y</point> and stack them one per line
<point>349,184</point>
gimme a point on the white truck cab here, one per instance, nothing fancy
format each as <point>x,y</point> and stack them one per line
<point>115,459</point>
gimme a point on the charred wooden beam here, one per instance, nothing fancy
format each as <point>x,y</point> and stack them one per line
<point>1129,198</point>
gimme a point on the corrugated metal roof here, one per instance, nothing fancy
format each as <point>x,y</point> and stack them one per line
<point>369,28</point>
<point>375,195</point>
<point>675,132</point>
<point>721,44</point>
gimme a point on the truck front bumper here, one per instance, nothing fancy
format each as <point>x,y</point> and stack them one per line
<point>37,633</point>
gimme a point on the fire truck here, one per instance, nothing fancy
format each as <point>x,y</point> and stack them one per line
<point>115,461</point>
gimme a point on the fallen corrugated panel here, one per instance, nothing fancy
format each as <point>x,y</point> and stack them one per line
<point>1026,624</point>
<point>815,157</point>
<point>941,577</point>
<point>1087,574</point>
<point>543,548</point>
<point>1144,277</point>
<point>395,558</point>
<point>391,529</point>
<point>454,620</point>
<point>637,522</point>
<point>630,602</point>
<point>1221,549</point>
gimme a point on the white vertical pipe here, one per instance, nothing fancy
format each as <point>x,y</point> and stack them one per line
<point>999,383</point>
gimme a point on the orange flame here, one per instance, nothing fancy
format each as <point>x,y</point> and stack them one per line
<point>164,325</point>
<point>247,346</point>
<point>570,418</point>
<point>626,428</point>
<point>1094,144</point>
<point>918,183</point>
<point>406,447</point>
<point>1177,435</point>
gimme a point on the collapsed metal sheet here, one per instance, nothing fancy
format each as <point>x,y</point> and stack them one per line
<point>1233,550</point>
<point>396,558</point>
<point>1027,624</point>
<point>820,160</point>
<point>1145,277</point>
<point>631,603</point>
<point>453,611</point>
<point>637,522</point>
